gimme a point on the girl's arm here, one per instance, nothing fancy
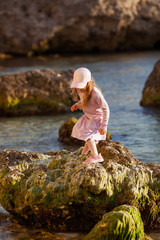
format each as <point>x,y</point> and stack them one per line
<point>106,112</point>
<point>75,106</point>
<point>78,104</point>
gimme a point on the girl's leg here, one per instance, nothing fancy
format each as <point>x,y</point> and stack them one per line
<point>94,157</point>
<point>96,141</point>
<point>92,147</point>
<point>94,154</point>
<point>85,149</point>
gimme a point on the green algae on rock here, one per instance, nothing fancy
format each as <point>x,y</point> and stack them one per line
<point>35,92</point>
<point>66,130</point>
<point>124,222</point>
<point>57,191</point>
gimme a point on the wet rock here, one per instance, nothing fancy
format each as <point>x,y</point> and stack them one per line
<point>124,222</point>
<point>57,191</point>
<point>35,92</point>
<point>66,130</point>
<point>151,91</point>
<point>65,26</point>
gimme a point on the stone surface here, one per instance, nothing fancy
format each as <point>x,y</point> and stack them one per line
<point>57,191</point>
<point>35,92</point>
<point>66,130</point>
<point>124,222</point>
<point>151,91</point>
<point>29,27</point>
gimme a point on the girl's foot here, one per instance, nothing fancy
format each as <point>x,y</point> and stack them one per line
<point>100,158</point>
<point>94,159</point>
<point>85,149</point>
<point>91,159</point>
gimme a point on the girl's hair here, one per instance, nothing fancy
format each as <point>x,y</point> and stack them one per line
<point>87,93</point>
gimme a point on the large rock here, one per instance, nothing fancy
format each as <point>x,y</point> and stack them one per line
<point>151,91</point>
<point>35,92</point>
<point>57,191</point>
<point>69,26</point>
<point>124,222</point>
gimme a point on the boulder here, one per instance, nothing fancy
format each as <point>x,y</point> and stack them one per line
<point>79,26</point>
<point>66,130</point>
<point>57,191</point>
<point>123,222</point>
<point>35,92</point>
<point>151,90</point>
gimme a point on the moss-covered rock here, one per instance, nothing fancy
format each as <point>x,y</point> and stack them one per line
<point>57,191</point>
<point>66,130</point>
<point>35,92</point>
<point>123,223</point>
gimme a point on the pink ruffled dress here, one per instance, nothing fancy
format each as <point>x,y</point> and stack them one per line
<point>96,116</point>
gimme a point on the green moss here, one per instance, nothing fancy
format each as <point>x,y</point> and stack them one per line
<point>66,129</point>
<point>58,161</point>
<point>153,215</point>
<point>114,225</point>
<point>3,174</point>
<point>54,174</point>
<point>123,223</point>
<point>133,211</point>
<point>69,124</point>
<point>108,135</point>
<point>13,102</point>
<point>17,185</point>
<point>48,200</point>
<point>36,193</point>
<point>18,104</point>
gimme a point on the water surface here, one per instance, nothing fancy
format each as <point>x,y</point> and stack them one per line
<point>121,78</point>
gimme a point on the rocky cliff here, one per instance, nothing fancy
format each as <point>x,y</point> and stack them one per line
<point>29,27</point>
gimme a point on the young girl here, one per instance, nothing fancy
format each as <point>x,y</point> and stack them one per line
<point>92,126</point>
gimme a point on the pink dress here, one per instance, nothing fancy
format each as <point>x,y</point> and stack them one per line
<point>96,117</point>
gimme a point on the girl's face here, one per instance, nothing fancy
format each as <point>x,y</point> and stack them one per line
<point>81,89</point>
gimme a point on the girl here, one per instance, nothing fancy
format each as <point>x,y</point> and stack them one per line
<point>92,126</point>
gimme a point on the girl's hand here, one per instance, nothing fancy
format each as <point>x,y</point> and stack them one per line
<point>102,131</point>
<point>74,108</point>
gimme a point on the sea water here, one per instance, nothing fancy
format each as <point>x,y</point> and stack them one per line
<point>121,77</point>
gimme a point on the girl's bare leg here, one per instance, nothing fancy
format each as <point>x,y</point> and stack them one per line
<point>85,149</point>
<point>94,157</point>
<point>92,147</point>
<point>96,141</point>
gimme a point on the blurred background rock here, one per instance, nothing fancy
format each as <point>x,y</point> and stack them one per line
<point>65,26</point>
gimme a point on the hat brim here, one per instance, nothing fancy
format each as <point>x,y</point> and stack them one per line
<point>78,85</point>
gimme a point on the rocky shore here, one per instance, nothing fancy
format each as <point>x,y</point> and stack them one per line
<point>55,190</point>
<point>35,92</point>
<point>63,26</point>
